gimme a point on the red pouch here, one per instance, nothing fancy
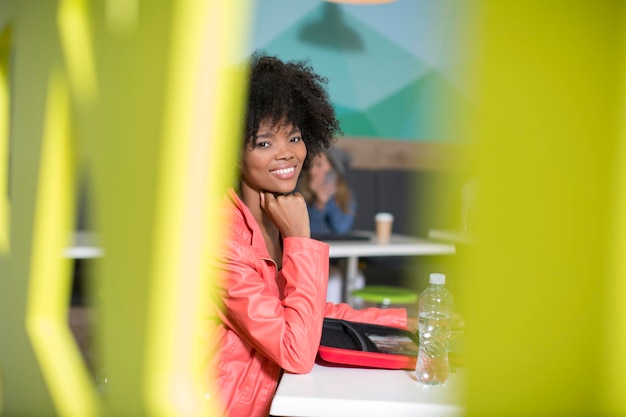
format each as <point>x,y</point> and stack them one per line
<point>364,345</point>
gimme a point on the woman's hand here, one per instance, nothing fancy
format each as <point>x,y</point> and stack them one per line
<point>323,190</point>
<point>288,213</point>
<point>325,193</point>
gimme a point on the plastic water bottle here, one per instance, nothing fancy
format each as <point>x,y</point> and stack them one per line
<point>436,306</point>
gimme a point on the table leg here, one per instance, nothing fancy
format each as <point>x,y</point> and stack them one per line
<point>352,271</point>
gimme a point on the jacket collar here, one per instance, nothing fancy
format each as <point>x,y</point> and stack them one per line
<point>250,223</point>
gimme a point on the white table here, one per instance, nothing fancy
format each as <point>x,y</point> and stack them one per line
<point>451,235</point>
<point>399,245</point>
<point>345,392</point>
<point>85,246</point>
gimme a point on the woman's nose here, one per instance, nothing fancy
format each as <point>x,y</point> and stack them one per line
<point>285,153</point>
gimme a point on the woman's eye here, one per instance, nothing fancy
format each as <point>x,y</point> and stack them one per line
<point>296,139</point>
<point>262,144</point>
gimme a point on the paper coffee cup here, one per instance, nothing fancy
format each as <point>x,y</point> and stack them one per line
<point>384,224</point>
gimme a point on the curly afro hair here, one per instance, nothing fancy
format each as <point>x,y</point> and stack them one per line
<point>290,92</point>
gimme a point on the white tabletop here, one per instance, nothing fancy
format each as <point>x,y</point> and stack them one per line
<point>345,392</point>
<point>450,235</point>
<point>399,245</point>
<point>85,246</point>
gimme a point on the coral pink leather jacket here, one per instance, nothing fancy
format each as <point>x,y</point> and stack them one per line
<point>272,320</point>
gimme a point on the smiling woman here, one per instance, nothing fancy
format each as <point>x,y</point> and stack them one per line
<point>273,276</point>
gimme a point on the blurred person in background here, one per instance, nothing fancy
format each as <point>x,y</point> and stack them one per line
<point>330,202</point>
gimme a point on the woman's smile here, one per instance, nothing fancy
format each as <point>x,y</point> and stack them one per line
<point>284,173</point>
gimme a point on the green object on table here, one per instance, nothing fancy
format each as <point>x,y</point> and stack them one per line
<point>385,295</point>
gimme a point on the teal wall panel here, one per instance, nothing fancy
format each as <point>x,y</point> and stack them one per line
<point>392,68</point>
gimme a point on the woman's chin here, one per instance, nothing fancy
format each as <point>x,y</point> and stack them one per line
<point>283,190</point>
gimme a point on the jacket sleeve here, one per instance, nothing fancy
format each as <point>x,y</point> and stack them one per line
<point>281,320</point>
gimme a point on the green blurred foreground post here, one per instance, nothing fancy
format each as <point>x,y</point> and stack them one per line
<point>546,316</point>
<point>138,99</point>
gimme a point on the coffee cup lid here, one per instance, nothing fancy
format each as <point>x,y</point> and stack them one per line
<point>384,216</point>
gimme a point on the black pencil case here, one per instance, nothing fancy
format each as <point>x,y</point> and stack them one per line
<point>349,343</point>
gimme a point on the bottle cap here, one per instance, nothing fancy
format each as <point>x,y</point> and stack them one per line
<point>437,278</point>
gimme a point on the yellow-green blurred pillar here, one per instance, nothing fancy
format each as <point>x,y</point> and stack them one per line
<point>545,296</point>
<point>162,140</point>
<point>35,163</point>
<point>138,100</point>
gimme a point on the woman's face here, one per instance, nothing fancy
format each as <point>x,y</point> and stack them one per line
<point>274,160</point>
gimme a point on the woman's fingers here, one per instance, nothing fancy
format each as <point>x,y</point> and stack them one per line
<point>288,213</point>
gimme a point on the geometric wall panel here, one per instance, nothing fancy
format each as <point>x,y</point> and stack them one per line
<point>392,69</point>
